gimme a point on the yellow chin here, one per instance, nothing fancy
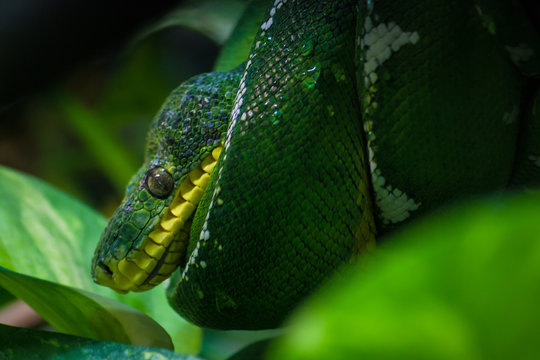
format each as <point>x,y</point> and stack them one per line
<point>164,249</point>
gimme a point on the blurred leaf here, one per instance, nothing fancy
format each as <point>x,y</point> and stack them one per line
<point>5,297</point>
<point>185,336</point>
<point>462,285</point>
<point>222,344</point>
<point>85,314</point>
<point>111,117</point>
<point>17,343</point>
<point>46,234</point>
<point>214,18</point>
<point>239,43</point>
<point>113,158</point>
<point>139,84</point>
<point>254,351</point>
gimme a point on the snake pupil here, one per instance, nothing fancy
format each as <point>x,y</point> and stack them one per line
<point>159,182</point>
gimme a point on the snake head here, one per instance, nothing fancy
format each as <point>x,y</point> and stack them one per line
<point>147,237</point>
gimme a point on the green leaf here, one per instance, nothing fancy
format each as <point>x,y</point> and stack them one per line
<point>48,235</point>
<point>239,43</point>
<point>17,343</point>
<point>85,314</point>
<point>186,337</point>
<point>45,233</point>
<point>462,285</point>
<point>214,18</point>
<point>5,297</point>
<point>113,158</point>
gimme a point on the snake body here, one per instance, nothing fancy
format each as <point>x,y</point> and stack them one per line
<point>346,119</point>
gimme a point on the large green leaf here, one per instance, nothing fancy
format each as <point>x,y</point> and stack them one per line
<point>46,234</point>
<point>464,285</point>
<point>85,314</point>
<point>17,343</point>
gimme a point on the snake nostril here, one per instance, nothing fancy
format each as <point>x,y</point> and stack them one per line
<point>105,268</point>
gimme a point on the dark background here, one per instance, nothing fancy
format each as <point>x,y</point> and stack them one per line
<point>80,81</point>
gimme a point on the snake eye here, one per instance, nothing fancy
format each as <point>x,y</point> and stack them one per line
<point>159,182</point>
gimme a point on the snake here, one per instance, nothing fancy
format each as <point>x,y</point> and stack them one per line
<point>345,121</point>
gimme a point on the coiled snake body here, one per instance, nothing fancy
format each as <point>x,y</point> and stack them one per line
<point>346,119</point>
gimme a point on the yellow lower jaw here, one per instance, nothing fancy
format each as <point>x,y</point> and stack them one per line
<point>169,238</point>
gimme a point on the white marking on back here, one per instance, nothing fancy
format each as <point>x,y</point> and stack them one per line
<point>378,44</point>
<point>394,204</point>
<point>204,236</point>
<point>277,5</point>
<point>381,42</point>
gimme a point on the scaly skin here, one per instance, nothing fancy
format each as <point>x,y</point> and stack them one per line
<point>187,129</point>
<point>350,117</point>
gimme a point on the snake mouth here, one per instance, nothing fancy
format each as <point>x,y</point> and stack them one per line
<point>164,249</point>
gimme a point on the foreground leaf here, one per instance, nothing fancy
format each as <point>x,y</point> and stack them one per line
<point>85,314</point>
<point>46,234</point>
<point>17,343</point>
<point>465,285</point>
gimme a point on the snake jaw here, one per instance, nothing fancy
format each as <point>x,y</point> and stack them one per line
<point>165,247</point>
<point>103,274</point>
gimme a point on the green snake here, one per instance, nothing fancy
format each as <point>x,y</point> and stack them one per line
<point>347,119</point>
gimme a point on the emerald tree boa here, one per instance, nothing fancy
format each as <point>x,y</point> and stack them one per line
<point>346,120</point>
